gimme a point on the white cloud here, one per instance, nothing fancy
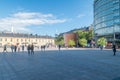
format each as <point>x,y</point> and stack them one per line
<point>21,20</point>
<point>80,15</point>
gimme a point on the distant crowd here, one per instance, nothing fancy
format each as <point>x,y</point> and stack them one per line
<point>30,48</point>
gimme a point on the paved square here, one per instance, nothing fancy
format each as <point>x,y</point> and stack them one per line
<point>60,65</point>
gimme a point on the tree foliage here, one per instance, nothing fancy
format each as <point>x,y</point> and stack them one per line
<point>59,40</point>
<point>88,35</point>
<point>83,42</point>
<point>71,43</point>
<point>84,37</point>
<point>102,41</point>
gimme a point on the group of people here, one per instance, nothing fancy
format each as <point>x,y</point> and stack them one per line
<point>30,49</point>
<point>14,48</point>
<point>43,48</point>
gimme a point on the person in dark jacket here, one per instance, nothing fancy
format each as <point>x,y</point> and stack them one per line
<point>32,49</point>
<point>59,46</point>
<point>22,48</point>
<point>43,48</point>
<point>15,48</point>
<point>101,47</point>
<point>114,50</point>
<point>28,48</point>
<point>12,48</point>
<point>5,48</point>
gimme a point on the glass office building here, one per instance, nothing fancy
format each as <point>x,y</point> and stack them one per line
<point>107,18</point>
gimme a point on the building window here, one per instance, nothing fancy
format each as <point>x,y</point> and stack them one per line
<point>0,44</point>
<point>17,40</point>
<point>5,39</point>
<point>11,39</point>
<point>21,40</point>
<point>0,39</point>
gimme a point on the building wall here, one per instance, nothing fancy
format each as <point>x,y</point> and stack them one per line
<point>68,37</point>
<point>106,17</point>
<point>25,41</point>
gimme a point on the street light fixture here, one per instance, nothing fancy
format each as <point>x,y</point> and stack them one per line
<point>114,34</point>
<point>114,38</point>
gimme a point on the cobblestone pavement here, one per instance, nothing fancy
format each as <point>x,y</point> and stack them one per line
<point>60,65</point>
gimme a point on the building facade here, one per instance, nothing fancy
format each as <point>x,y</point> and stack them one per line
<point>70,36</point>
<point>107,18</point>
<point>25,39</point>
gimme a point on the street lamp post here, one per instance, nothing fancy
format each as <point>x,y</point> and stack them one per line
<point>114,38</point>
<point>114,35</point>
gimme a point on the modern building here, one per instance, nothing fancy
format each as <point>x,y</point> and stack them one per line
<point>25,39</point>
<point>107,19</point>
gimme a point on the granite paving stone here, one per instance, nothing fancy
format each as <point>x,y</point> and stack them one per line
<point>60,65</point>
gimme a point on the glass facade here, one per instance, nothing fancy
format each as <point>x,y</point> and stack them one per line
<point>106,17</point>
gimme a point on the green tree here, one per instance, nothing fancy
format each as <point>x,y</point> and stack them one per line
<point>102,41</point>
<point>59,40</point>
<point>71,43</point>
<point>81,34</point>
<point>83,42</point>
<point>89,35</point>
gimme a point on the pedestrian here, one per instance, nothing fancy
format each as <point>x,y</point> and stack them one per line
<point>114,49</point>
<point>23,48</point>
<point>18,48</point>
<point>32,49</point>
<point>101,47</point>
<point>12,48</point>
<point>28,48</point>
<point>15,48</point>
<point>59,46</point>
<point>5,48</point>
<point>43,48</point>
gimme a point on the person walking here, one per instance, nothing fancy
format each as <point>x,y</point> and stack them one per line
<point>18,48</point>
<point>12,48</point>
<point>28,48</point>
<point>114,50</point>
<point>32,49</point>
<point>59,46</point>
<point>101,47</point>
<point>23,48</point>
<point>15,48</point>
<point>5,48</point>
<point>43,48</point>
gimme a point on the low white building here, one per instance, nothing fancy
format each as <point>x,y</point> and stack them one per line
<point>25,39</point>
